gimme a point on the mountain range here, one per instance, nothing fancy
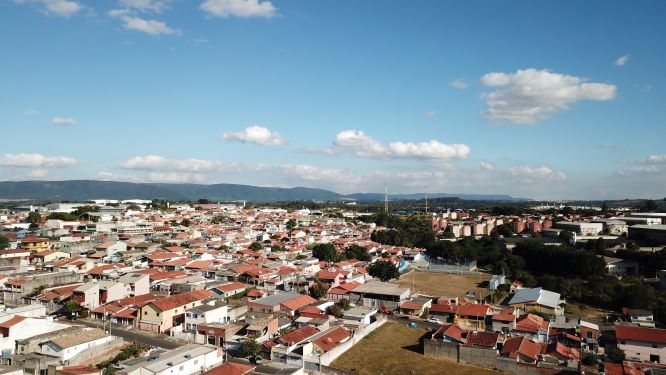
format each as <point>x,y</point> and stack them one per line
<point>81,190</point>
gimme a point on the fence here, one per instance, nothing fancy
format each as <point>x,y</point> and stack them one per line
<point>479,357</point>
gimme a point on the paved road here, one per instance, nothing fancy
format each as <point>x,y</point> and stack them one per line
<point>135,335</point>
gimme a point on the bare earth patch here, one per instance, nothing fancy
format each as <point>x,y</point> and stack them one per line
<point>445,284</point>
<point>395,349</point>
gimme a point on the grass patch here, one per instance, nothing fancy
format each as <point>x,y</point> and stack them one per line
<point>445,284</point>
<point>396,349</point>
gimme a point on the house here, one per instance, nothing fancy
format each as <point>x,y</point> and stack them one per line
<point>376,294</point>
<point>186,360</point>
<point>643,318</point>
<point>364,315</point>
<point>504,321</point>
<point>229,289</point>
<point>521,349</point>
<point>472,317</point>
<point>286,302</point>
<point>484,340</point>
<point>537,299</point>
<point>330,340</point>
<point>231,368</point>
<point>139,284</point>
<point>163,314</point>
<point>444,310</point>
<point>35,244</point>
<point>212,311</point>
<point>642,344</point>
<point>621,267</point>
<point>67,347</point>
<point>416,306</point>
<point>532,326</point>
<point>451,333</point>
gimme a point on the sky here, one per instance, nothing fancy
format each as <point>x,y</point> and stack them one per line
<point>536,99</point>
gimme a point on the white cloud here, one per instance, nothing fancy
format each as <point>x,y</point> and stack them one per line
<point>39,173</point>
<point>36,161</point>
<point>136,23</point>
<point>312,173</point>
<point>622,60</point>
<point>656,159</point>
<point>530,96</point>
<point>110,176</point>
<point>430,114</point>
<point>488,166</point>
<point>239,8</point>
<point>29,113</point>
<point>146,5</point>
<point>63,121</point>
<point>538,172</point>
<point>362,145</point>
<point>255,134</point>
<point>61,8</point>
<point>178,177</point>
<point>460,84</point>
<point>160,163</point>
<point>650,169</point>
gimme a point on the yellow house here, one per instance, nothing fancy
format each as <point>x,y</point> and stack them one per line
<point>35,244</point>
<point>472,316</point>
<point>163,314</point>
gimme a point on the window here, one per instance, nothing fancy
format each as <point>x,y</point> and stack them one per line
<point>623,342</point>
<point>654,346</point>
<point>654,358</point>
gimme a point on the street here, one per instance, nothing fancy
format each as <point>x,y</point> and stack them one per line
<point>135,335</point>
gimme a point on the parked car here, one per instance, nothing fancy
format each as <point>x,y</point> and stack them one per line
<point>433,320</point>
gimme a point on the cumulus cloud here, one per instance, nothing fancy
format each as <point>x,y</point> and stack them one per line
<point>530,96</point>
<point>239,8</point>
<point>460,84</point>
<point>537,172</point>
<point>145,5</point>
<point>622,60</point>
<point>63,121</point>
<point>160,163</point>
<point>360,144</point>
<point>312,173</point>
<point>131,21</point>
<point>36,161</point>
<point>177,177</point>
<point>60,8</point>
<point>255,134</point>
<point>488,166</point>
<point>656,159</point>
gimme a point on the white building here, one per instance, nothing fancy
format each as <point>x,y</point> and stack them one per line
<point>187,360</point>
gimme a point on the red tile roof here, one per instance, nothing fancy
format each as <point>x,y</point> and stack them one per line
<point>651,335</point>
<point>332,339</point>
<point>230,368</point>
<point>298,335</point>
<point>521,345</point>
<point>485,339</point>
<point>182,299</point>
<point>298,302</point>
<point>477,310</point>
<point>12,321</point>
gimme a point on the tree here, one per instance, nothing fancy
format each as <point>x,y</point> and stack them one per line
<point>185,223</point>
<point>615,355</point>
<point>357,252</point>
<point>64,216</point>
<point>334,310</point>
<point>4,242</point>
<point>250,348</point>
<point>203,201</point>
<point>34,218</point>
<point>384,271</point>
<point>291,224</point>
<point>650,206</point>
<point>325,252</point>
<point>318,290</point>
<point>256,246</point>
<point>72,307</point>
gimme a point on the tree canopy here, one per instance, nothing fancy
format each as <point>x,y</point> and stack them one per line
<point>384,271</point>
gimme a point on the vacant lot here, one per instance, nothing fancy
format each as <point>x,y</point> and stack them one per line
<point>395,349</point>
<point>445,284</point>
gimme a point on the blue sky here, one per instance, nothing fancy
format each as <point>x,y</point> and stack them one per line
<point>547,100</point>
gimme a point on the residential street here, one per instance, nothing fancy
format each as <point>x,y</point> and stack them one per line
<point>135,335</point>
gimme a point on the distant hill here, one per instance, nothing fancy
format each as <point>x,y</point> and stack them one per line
<point>81,190</point>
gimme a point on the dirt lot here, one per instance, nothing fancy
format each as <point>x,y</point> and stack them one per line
<point>445,284</point>
<point>395,349</point>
